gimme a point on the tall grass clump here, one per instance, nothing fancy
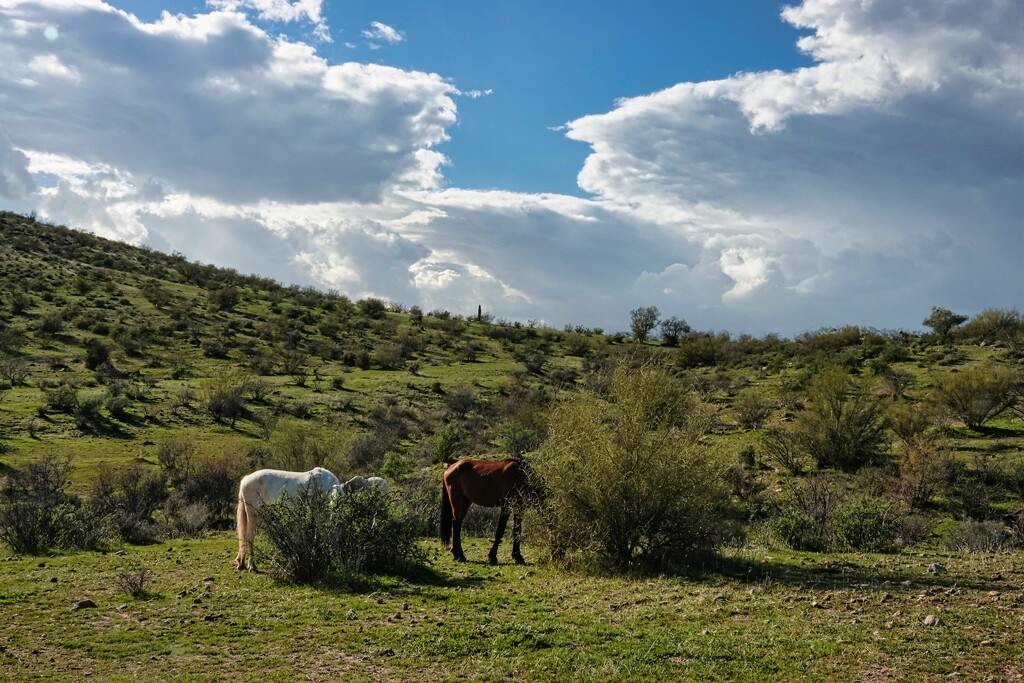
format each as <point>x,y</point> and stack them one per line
<point>628,483</point>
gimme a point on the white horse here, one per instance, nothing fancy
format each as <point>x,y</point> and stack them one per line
<point>358,483</point>
<point>263,486</point>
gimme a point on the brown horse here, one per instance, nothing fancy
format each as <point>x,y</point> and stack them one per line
<point>490,483</point>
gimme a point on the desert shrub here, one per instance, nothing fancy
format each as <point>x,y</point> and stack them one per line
<point>924,469</point>
<point>450,442</point>
<point>96,354</point>
<point>299,446</point>
<point>61,399</point>
<point>867,523</point>
<point>978,537</point>
<point>213,484</point>
<point>515,438</point>
<point>134,583</point>
<point>780,447</point>
<point>993,325</point>
<point>224,398</point>
<point>460,401</point>
<point>844,427</point>
<point>803,518</point>
<point>977,394</point>
<point>175,457</point>
<point>367,451</point>
<point>51,323</point>
<point>130,497</point>
<point>910,421</point>
<point>752,409</point>
<point>117,406</point>
<point>87,412</point>
<point>629,484</point>
<point>30,504</point>
<point>81,526</point>
<point>311,539</point>
<point>372,307</point>
<point>225,299</point>
<point>183,519</point>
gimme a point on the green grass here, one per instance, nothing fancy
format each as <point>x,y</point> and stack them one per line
<point>783,616</point>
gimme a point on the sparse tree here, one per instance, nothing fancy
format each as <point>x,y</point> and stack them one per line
<point>643,320</point>
<point>942,321</point>
<point>672,329</point>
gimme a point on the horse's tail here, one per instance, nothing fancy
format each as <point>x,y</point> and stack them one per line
<point>242,517</point>
<point>447,516</point>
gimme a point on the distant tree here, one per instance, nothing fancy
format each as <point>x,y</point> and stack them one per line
<point>942,321</point>
<point>672,329</point>
<point>643,320</point>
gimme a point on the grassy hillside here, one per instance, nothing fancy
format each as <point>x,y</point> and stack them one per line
<point>160,381</point>
<point>108,351</point>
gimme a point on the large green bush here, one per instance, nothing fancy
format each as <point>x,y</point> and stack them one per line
<point>628,482</point>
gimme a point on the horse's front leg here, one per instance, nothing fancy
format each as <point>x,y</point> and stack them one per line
<point>492,556</point>
<point>517,532</point>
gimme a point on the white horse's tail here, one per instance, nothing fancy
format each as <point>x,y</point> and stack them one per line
<point>242,522</point>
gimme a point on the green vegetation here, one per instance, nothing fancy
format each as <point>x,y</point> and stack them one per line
<point>794,490</point>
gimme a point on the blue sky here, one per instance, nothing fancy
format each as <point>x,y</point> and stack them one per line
<point>745,165</point>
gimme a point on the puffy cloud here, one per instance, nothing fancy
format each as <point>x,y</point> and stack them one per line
<point>882,180</point>
<point>217,107</point>
<point>281,10</point>
<point>382,33</point>
<point>15,180</point>
<point>898,158</point>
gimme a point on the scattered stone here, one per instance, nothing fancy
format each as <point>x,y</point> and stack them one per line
<point>351,615</point>
<point>987,643</point>
<point>932,620</point>
<point>121,553</point>
<point>936,568</point>
<point>84,604</point>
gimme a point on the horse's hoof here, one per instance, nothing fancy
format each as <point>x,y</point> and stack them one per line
<point>519,559</point>
<point>492,560</point>
<point>460,558</point>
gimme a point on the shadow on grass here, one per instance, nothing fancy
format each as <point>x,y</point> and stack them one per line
<point>838,574</point>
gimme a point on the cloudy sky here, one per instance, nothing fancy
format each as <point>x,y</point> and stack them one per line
<point>744,165</point>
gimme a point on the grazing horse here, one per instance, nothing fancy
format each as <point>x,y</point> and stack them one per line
<point>490,483</point>
<point>358,483</point>
<point>263,486</point>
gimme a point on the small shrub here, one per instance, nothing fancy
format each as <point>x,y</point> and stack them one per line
<point>752,409</point>
<point>804,516</point>
<point>62,399</point>
<point>31,501</point>
<point>780,448</point>
<point>175,457</point>
<point>978,537</point>
<point>134,583</point>
<point>313,538</point>
<point>869,524</point>
<point>224,399</point>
